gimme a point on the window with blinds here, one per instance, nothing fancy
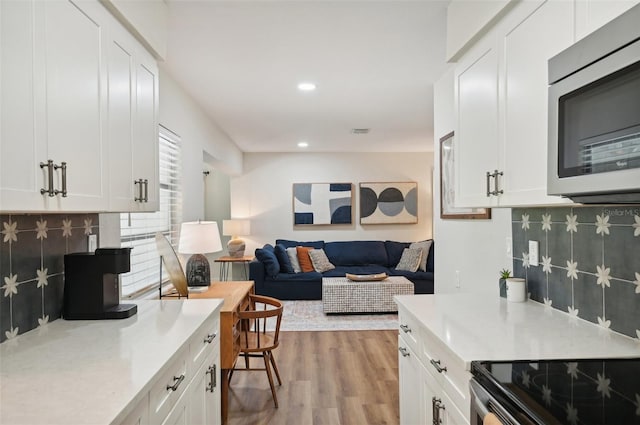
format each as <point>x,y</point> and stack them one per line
<point>138,230</point>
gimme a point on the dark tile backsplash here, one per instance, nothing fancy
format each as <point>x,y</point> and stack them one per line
<point>589,261</point>
<point>32,249</point>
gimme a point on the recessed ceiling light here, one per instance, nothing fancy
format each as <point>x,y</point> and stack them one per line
<point>303,144</point>
<point>306,86</point>
<point>360,130</point>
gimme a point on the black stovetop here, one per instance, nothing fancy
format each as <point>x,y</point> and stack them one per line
<point>586,392</point>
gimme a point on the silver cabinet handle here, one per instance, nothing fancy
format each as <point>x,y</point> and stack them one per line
<point>63,167</point>
<point>211,370</point>
<point>177,380</point>
<point>49,190</point>
<point>436,364</point>
<point>138,183</point>
<point>436,406</point>
<point>405,328</point>
<point>210,337</point>
<point>489,193</point>
<point>497,173</point>
<point>404,351</point>
<point>146,190</point>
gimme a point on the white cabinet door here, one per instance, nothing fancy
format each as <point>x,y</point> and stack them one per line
<point>476,136</point>
<point>592,14</point>
<point>204,393</point>
<point>71,50</point>
<point>132,125</point>
<point>533,38</point>
<point>20,150</point>
<point>412,398</point>
<point>145,143</point>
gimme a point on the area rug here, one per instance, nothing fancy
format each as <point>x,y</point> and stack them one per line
<point>308,316</point>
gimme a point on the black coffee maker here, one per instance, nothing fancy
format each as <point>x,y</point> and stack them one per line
<point>92,286</point>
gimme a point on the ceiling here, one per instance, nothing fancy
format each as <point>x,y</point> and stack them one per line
<point>374,64</point>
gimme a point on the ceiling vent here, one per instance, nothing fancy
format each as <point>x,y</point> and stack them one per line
<point>360,130</point>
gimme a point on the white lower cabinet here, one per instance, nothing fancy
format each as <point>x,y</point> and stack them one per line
<point>187,391</point>
<point>434,384</point>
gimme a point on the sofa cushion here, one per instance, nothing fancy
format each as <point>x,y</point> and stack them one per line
<point>283,259</point>
<point>267,256</point>
<point>303,258</point>
<point>288,243</point>
<point>292,253</point>
<point>356,253</point>
<point>340,271</point>
<point>394,251</point>
<point>425,246</point>
<point>413,276</point>
<point>320,261</point>
<point>410,259</point>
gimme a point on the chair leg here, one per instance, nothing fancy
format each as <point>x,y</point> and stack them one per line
<point>268,369</point>
<point>275,367</point>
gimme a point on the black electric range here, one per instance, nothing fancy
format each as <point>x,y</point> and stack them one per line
<point>559,391</point>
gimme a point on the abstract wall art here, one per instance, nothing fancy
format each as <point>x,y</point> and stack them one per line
<point>322,203</point>
<point>389,203</point>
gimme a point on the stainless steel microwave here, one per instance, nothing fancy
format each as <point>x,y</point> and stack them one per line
<point>594,115</point>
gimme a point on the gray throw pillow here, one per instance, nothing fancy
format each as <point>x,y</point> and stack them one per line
<point>320,261</point>
<point>293,258</point>
<point>410,260</point>
<point>425,246</point>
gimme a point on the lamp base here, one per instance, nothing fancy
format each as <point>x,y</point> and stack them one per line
<point>198,271</point>
<point>236,248</point>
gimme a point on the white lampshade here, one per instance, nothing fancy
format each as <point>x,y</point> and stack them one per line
<point>199,237</point>
<point>236,227</point>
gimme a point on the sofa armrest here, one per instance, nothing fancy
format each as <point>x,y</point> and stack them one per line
<point>256,273</point>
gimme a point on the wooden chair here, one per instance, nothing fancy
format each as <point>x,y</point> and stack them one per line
<point>258,337</point>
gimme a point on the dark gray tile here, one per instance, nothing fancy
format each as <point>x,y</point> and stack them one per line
<point>622,214</point>
<point>559,245</point>
<point>5,315</point>
<point>588,249</point>
<point>588,297</point>
<point>25,256</point>
<point>536,283</point>
<point>26,307</point>
<point>587,215</point>
<point>622,253</point>
<point>53,296</point>
<point>622,305</point>
<point>559,214</point>
<point>560,290</point>
<point>518,268</point>
<point>516,213</point>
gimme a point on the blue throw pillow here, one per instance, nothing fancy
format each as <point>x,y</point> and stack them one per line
<point>283,259</point>
<point>268,257</point>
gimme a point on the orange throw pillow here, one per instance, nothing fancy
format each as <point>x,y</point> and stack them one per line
<point>303,258</point>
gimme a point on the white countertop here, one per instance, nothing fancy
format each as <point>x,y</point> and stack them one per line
<point>487,327</point>
<point>93,372</point>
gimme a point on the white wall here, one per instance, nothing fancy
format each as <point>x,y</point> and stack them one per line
<point>475,248</point>
<point>264,193</point>
<point>201,140</point>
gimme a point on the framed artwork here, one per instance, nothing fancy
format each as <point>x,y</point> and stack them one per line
<point>322,203</point>
<point>389,203</point>
<point>447,185</point>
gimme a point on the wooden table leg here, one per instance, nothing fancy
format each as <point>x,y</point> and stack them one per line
<point>224,395</point>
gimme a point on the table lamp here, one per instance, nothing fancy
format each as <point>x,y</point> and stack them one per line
<point>235,228</point>
<point>198,238</point>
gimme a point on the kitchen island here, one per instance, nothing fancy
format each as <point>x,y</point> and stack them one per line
<point>105,371</point>
<point>440,335</point>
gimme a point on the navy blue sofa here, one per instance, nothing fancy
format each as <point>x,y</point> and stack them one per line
<point>355,257</point>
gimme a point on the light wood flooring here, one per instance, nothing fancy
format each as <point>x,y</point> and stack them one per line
<point>337,378</point>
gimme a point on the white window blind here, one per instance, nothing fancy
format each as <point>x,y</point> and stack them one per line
<point>138,230</point>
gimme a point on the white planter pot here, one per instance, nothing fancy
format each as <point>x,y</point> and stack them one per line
<point>516,289</point>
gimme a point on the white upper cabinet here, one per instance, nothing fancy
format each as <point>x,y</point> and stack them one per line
<point>501,107</point>
<point>592,14</point>
<point>68,114</point>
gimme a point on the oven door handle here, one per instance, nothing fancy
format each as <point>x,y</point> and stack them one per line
<point>479,398</point>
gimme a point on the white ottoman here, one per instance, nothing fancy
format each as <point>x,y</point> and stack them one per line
<point>341,295</point>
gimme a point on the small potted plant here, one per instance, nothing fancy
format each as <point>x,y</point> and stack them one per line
<point>504,275</point>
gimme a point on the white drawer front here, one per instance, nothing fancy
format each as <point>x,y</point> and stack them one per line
<point>204,340</point>
<point>168,387</point>
<point>409,329</point>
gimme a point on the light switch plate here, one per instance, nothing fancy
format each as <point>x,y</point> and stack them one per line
<point>92,243</point>
<point>533,253</point>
